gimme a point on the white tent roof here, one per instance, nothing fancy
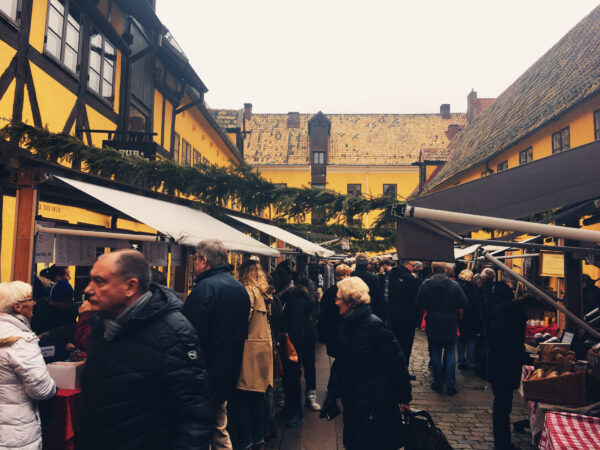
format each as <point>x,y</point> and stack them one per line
<point>310,248</point>
<point>462,252</point>
<point>185,225</point>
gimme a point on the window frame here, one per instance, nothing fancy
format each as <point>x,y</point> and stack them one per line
<point>17,19</point>
<point>528,152</point>
<point>63,37</point>
<point>321,155</point>
<point>389,185</point>
<point>351,189</point>
<point>563,147</point>
<point>502,166</point>
<point>100,94</point>
<point>596,125</point>
<point>176,146</point>
<point>186,150</point>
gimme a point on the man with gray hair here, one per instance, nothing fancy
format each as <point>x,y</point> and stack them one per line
<point>219,307</point>
<point>144,384</point>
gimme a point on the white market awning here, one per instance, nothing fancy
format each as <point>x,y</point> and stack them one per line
<point>310,248</point>
<point>185,225</point>
<point>460,253</point>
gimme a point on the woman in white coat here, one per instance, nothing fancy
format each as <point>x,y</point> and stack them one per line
<point>24,378</point>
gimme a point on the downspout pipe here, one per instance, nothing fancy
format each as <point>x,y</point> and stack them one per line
<point>547,298</point>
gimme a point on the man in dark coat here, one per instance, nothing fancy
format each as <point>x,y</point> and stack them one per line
<point>144,384</point>
<point>361,271</point>
<point>297,306</point>
<point>442,298</point>
<point>329,323</point>
<point>402,311</point>
<point>219,307</point>
<point>506,339</point>
<point>591,294</point>
<point>369,374</point>
<point>470,323</point>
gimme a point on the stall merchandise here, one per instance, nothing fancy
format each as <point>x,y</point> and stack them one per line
<point>60,435</point>
<point>570,431</point>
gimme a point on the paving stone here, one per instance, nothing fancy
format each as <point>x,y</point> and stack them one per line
<point>465,419</point>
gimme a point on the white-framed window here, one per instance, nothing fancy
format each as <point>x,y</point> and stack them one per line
<point>10,9</point>
<point>63,33</point>
<point>101,77</point>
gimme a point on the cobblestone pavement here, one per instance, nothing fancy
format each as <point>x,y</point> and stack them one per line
<point>465,419</point>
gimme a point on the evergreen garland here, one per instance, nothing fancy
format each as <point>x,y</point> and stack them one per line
<point>216,186</point>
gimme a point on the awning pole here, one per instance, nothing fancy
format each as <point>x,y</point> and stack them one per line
<point>99,234</point>
<point>529,246</point>
<point>575,234</point>
<point>543,295</point>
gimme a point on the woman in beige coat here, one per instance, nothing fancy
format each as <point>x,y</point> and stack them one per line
<point>257,363</point>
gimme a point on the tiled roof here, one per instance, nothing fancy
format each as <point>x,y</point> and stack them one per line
<point>434,154</point>
<point>358,139</point>
<point>228,118</point>
<point>564,76</point>
<point>481,104</point>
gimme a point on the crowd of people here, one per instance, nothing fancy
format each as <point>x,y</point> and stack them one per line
<point>162,373</point>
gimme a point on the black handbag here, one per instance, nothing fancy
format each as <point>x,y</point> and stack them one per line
<point>421,432</point>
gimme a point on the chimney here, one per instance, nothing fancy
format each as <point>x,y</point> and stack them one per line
<point>471,105</point>
<point>247,111</point>
<point>445,111</point>
<point>293,120</point>
<point>453,130</point>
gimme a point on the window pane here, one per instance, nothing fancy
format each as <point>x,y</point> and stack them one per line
<point>55,21</point>
<point>59,5</point>
<point>74,16</point>
<point>94,82</point>
<point>109,51</point>
<point>96,40</point>
<point>95,59</point>
<point>566,139</point>
<point>107,90</point>
<point>9,7</point>
<point>556,142</point>
<point>108,73</point>
<point>72,37</point>
<point>70,59</point>
<point>53,44</point>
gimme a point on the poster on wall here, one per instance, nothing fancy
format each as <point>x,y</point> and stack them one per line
<point>67,250</point>
<point>44,244</point>
<point>156,253</point>
<point>87,251</point>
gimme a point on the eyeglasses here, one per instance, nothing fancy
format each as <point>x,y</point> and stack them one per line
<point>30,299</point>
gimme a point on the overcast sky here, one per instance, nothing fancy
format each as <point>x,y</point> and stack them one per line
<point>350,56</point>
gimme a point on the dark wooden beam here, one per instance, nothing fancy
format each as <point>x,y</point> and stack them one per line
<point>7,76</point>
<point>22,59</point>
<point>33,101</point>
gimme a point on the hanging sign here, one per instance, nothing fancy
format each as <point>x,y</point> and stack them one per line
<point>552,264</point>
<point>44,244</point>
<point>67,250</point>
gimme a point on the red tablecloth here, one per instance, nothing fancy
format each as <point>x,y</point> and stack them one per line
<point>570,431</point>
<point>65,413</point>
<point>533,329</point>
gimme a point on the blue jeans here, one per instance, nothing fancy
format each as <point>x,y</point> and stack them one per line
<point>248,410</point>
<point>466,346</point>
<point>443,372</point>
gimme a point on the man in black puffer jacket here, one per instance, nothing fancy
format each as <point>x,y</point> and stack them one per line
<point>442,298</point>
<point>144,384</point>
<point>219,307</point>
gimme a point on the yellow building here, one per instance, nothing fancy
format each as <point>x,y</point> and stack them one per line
<point>110,73</point>
<point>360,154</point>
<point>552,108</point>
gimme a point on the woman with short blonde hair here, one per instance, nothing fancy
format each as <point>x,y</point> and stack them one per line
<point>369,374</point>
<point>23,374</point>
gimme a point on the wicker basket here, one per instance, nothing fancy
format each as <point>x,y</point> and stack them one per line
<point>561,390</point>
